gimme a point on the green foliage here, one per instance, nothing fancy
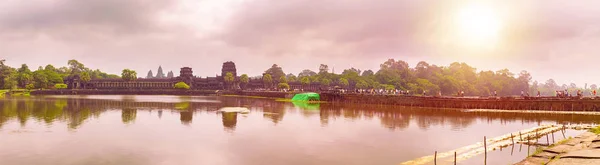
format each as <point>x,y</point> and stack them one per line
<point>343,82</point>
<point>244,79</point>
<point>181,85</point>
<point>275,71</point>
<point>229,77</point>
<point>325,82</point>
<point>595,130</point>
<point>60,86</point>
<point>40,79</point>
<point>362,84</point>
<point>75,67</point>
<point>283,86</point>
<point>305,81</point>
<point>10,81</point>
<point>307,73</point>
<point>29,86</point>
<point>282,79</point>
<point>267,79</point>
<point>85,77</point>
<point>388,87</point>
<point>291,78</point>
<point>128,75</point>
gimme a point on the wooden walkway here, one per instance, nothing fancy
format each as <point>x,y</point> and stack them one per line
<point>527,136</point>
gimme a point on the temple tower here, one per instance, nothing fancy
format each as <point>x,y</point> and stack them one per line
<point>229,66</point>
<point>160,73</point>
<point>186,72</point>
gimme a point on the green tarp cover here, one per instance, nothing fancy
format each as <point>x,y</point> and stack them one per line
<point>307,106</point>
<point>306,97</point>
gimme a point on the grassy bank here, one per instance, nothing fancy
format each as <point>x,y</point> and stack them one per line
<point>3,92</point>
<point>15,92</point>
<point>595,130</point>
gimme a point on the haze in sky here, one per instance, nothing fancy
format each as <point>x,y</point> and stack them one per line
<point>549,38</point>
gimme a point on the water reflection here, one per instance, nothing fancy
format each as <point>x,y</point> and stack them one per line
<point>75,111</point>
<point>229,120</point>
<point>128,115</point>
<point>283,132</point>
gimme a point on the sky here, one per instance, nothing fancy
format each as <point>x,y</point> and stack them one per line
<point>549,38</point>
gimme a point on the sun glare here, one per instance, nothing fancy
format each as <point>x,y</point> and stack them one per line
<point>478,24</point>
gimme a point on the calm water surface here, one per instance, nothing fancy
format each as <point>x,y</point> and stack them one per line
<point>189,130</point>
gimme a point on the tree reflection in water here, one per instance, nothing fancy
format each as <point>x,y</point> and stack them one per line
<point>185,117</point>
<point>229,120</point>
<point>128,115</point>
<point>76,111</point>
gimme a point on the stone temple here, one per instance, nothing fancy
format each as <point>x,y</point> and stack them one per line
<point>186,74</point>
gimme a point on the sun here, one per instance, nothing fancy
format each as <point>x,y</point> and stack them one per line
<point>478,24</point>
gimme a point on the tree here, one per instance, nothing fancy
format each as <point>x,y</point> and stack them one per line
<point>291,77</point>
<point>594,86</point>
<point>181,85</point>
<point>229,79</point>
<point>129,75</point>
<point>60,86</point>
<point>275,71</point>
<point>85,77</point>
<point>306,73</point>
<point>351,71</point>
<point>305,81</point>
<point>170,74</point>
<point>10,82</point>
<point>29,86</point>
<point>50,68</point>
<point>268,80</point>
<point>23,79</point>
<point>323,69</point>
<point>40,79</point>
<point>572,85</point>
<point>362,84</point>
<point>325,82</point>
<point>244,80</point>
<point>282,79</point>
<point>367,73</point>
<point>150,74</point>
<point>76,67</point>
<point>343,82</point>
<point>283,86</point>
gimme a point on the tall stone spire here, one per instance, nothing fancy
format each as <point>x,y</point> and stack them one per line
<point>150,74</point>
<point>160,73</point>
<point>170,74</point>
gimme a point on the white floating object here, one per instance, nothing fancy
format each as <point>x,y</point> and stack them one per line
<point>234,109</point>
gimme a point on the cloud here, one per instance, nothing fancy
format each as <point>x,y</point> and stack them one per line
<point>325,28</point>
<point>78,19</point>
<point>297,34</point>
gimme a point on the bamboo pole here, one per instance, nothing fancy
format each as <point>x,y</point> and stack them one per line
<point>512,139</point>
<point>454,157</point>
<point>512,149</point>
<point>435,158</point>
<point>520,136</point>
<point>485,150</point>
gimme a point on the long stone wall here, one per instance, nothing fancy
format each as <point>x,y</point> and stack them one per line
<point>506,103</point>
<point>124,92</point>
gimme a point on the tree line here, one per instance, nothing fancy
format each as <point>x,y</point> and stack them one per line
<point>392,74</point>
<point>46,77</point>
<point>424,77</point>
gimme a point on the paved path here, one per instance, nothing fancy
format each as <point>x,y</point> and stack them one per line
<point>583,149</point>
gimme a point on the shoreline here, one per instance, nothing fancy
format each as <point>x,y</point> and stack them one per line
<point>582,149</point>
<point>512,104</point>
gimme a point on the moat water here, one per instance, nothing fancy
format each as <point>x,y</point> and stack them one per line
<point>157,130</point>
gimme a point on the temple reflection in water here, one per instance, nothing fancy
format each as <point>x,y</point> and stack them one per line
<point>76,111</point>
